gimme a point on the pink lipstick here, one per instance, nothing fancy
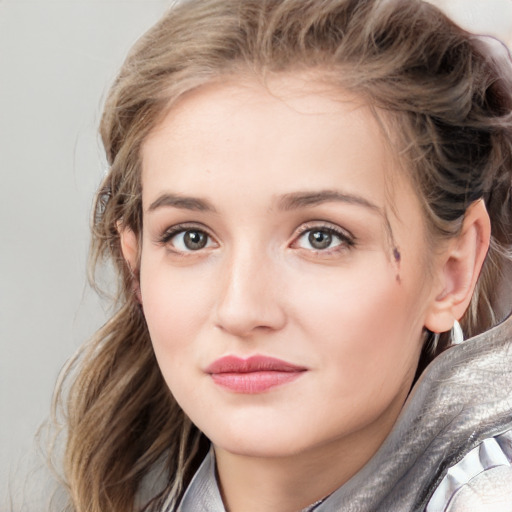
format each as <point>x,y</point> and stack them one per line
<point>253,375</point>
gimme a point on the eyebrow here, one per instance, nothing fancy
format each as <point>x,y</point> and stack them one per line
<point>291,201</point>
<point>182,202</point>
<point>296,200</point>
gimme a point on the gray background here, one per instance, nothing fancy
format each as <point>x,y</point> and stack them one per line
<point>57,59</point>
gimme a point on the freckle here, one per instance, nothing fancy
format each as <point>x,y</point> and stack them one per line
<point>398,279</point>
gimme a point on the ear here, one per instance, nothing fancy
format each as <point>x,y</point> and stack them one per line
<point>130,249</point>
<point>459,268</point>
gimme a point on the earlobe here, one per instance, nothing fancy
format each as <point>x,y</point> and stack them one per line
<point>130,250</point>
<point>459,269</point>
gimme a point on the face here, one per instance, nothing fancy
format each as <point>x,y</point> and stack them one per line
<point>284,295</point>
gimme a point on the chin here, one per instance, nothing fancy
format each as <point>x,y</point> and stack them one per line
<point>268,449</point>
<point>270,441</point>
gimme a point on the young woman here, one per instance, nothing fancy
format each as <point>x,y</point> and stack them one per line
<point>304,199</point>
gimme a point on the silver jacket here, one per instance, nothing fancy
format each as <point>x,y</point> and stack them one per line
<point>449,451</point>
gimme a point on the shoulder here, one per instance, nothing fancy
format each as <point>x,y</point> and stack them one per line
<point>480,482</point>
<point>490,491</point>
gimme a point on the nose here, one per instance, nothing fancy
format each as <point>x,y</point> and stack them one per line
<point>250,296</point>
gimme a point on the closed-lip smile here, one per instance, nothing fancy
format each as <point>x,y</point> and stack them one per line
<point>255,374</point>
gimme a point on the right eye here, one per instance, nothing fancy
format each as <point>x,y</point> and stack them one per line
<point>187,240</point>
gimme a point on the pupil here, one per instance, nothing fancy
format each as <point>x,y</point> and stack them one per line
<point>194,240</point>
<point>320,239</point>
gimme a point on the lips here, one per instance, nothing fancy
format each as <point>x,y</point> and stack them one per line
<point>253,375</point>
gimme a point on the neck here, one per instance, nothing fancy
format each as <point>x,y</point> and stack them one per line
<point>263,485</point>
<point>294,482</point>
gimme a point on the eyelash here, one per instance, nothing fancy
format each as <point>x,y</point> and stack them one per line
<point>346,239</point>
<point>170,233</point>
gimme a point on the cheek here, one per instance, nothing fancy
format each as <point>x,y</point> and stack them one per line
<point>177,306</point>
<point>173,324</point>
<point>169,307</point>
<point>367,323</point>
<point>175,298</point>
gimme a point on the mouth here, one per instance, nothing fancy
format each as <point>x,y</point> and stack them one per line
<point>253,375</point>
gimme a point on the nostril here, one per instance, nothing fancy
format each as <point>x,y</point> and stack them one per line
<point>243,317</point>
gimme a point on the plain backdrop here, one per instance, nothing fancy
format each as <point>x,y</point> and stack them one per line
<point>57,59</point>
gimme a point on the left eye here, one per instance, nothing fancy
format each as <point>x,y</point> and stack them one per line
<point>320,239</point>
<point>190,240</point>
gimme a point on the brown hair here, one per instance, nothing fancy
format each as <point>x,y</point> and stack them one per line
<point>448,102</point>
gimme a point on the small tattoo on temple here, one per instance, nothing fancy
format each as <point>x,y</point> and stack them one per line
<point>398,257</point>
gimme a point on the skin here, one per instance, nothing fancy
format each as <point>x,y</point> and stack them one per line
<point>256,170</point>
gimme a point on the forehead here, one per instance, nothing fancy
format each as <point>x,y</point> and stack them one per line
<point>290,131</point>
